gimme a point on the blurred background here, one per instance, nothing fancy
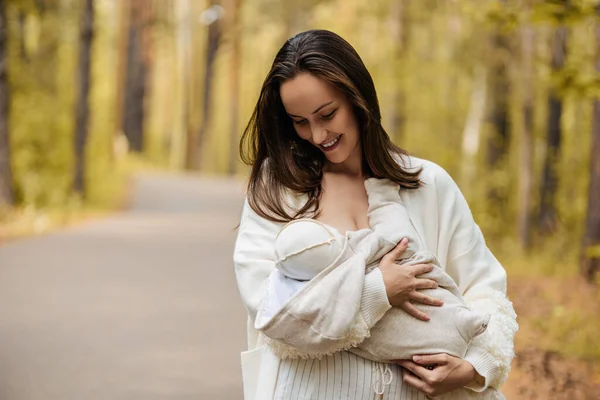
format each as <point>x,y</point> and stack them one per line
<point>105,104</point>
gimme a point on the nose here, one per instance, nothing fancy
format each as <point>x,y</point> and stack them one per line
<point>319,134</point>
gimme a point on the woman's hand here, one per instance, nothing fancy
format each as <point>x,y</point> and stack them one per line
<point>402,284</point>
<point>448,374</point>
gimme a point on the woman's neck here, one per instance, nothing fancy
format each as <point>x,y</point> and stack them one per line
<point>352,166</point>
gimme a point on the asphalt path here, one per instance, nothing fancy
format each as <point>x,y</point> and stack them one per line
<point>140,305</point>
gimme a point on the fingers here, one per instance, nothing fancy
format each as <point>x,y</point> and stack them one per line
<point>416,369</point>
<point>397,251</point>
<point>420,269</point>
<point>426,284</point>
<point>441,358</point>
<point>424,299</point>
<point>414,311</point>
<point>413,380</point>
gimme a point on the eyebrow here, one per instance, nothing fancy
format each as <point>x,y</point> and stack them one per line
<point>314,112</point>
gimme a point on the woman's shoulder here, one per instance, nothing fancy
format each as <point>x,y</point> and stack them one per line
<point>433,176</point>
<point>438,193</point>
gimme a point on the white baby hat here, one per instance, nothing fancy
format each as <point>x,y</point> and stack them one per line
<point>305,234</point>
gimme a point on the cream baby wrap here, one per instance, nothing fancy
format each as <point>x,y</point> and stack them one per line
<point>307,249</point>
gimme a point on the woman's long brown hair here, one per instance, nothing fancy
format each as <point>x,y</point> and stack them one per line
<point>266,145</point>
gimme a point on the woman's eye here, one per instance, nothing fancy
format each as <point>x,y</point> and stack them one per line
<point>329,116</point>
<point>299,122</point>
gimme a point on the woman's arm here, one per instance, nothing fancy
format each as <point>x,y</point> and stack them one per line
<point>254,259</point>
<point>481,280</point>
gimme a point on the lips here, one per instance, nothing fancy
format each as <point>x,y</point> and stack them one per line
<point>336,141</point>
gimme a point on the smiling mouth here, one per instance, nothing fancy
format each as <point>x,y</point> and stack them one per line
<point>331,144</point>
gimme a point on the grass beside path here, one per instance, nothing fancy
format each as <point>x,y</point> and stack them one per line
<point>558,356</point>
<point>105,196</point>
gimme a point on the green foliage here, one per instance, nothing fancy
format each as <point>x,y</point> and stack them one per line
<point>571,332</point>
<point>563,12</point>
<point>42,75</point>
<point>41,112</point>
<point>502,15</point>
<point>593,251</point>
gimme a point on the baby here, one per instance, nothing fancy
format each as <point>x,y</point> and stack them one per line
<point>306,248</point>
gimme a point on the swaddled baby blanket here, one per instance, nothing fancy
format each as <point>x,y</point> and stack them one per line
<point>310,251</point>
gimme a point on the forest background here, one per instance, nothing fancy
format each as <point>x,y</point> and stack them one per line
<point>503,94</point>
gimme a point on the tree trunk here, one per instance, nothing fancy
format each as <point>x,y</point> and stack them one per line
<point>123,45</point>
<point>526,148</point>
<point>590,264</point>
<point>399,27</point>
<point>184,46</point>
<point>499,89</point>
<point>498,137</point>
<point>212,46</point>
<point>6,180</point>
<point>133,110</point>
<point>83,108</point>
<point>137,74</point>
<point>547,214</point>
<point>295,15</point>
<point>21,36</point>
<point>472,131</point>
<point>234,82</point>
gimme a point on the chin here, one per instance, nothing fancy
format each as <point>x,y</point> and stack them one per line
<point>341,154</point>
<point>337,158</point>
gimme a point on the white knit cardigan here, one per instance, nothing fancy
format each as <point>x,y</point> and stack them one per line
<point>443,220</point>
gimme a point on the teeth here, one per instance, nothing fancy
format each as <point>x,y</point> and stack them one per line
<point>334,141</point>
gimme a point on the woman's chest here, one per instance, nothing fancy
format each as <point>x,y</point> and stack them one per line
<point>344,204</point>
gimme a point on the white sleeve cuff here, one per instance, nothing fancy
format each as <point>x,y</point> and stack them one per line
<point>374,303</point>
<point>485,365</point>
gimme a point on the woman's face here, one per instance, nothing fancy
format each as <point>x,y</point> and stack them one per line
<point>321,115</point>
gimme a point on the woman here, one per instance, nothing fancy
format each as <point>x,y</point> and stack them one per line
<point>314,138</point>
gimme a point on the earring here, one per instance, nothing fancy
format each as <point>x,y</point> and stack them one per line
<point>293,145</point>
